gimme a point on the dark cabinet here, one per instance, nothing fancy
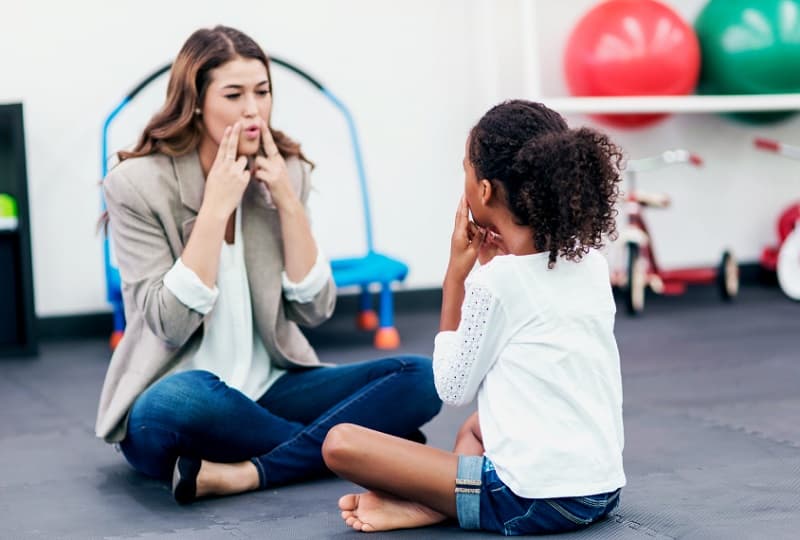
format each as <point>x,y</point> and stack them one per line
<point>17,312</point>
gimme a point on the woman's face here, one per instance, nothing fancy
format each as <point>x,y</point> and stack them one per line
<point>239,91</point>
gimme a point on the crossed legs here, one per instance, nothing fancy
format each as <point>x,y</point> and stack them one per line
<point>411,485</point>
<point>235,444</point>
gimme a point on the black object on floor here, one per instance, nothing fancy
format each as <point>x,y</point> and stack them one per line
<point>184,479</point>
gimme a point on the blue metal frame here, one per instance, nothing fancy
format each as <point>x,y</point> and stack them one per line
<point>113,280</point>
<point>362,271</point>
<point>362,176</point>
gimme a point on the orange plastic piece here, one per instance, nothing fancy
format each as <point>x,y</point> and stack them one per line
<point>115,338</point>
<point>387,338</point>
<point>367,320</point>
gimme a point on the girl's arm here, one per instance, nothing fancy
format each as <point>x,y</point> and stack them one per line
<point>472,321</point>
<point>461,358</point>
<point>452,299</point>
<point>465,246</point>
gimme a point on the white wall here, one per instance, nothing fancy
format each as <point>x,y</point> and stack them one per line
<point>416,74</point>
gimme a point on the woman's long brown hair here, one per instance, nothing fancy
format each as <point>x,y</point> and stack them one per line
<point>176,129</point>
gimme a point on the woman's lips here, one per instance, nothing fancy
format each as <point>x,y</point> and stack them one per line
<point>252,132</point>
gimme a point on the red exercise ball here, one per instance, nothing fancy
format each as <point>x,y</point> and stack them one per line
<point>632,48</point>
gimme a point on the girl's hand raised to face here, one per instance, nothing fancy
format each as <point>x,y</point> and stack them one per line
<point>227,178</point>
<point>271,171</point>
<point>492,245</point>
<point>465,244</point>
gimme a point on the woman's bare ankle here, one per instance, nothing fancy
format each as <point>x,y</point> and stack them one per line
<point>226,478</point>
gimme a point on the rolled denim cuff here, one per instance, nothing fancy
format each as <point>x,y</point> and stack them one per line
<point>468,491</point>
<point>262,477</point>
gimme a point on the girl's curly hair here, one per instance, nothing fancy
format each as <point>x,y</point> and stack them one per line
<point>560,182</point>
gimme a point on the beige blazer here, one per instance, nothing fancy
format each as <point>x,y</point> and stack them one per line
<point>152,205</point>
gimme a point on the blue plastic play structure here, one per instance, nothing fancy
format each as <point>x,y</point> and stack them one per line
<point>371,268</point>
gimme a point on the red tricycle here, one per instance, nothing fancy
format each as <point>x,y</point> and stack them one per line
<point>642,270</point>
<point>784,259</point>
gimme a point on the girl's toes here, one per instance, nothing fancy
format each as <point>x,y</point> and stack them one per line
<point>348,502</point>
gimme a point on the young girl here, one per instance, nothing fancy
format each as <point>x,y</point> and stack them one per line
<point>530,332</point>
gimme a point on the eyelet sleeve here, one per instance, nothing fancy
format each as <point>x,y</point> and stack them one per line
<point>462,358</point>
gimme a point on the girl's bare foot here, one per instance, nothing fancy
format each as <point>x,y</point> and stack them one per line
<point>370,512</point>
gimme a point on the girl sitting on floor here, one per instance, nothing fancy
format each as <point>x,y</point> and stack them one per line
<point>530,331</point>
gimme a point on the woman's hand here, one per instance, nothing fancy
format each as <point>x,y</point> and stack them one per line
<point>271,171</point>
<point>228,177</point>
<point>225,184</point>
<point>299,248</point>
<point>465,244</point>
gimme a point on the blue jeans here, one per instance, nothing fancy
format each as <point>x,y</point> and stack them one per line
<point>194,414</point>
<point>483,501</point>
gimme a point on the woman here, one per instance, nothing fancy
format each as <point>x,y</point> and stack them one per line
<point>213,383</point>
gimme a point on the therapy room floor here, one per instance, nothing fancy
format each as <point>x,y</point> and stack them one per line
<point>712,421</point>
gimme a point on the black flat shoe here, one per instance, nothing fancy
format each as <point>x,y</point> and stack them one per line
<point>184,479</point>
<point>417,436</point>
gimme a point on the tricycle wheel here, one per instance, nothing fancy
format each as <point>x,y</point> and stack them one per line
<point>788,268</point>
<point>728,276</point>
<point>637,280</point>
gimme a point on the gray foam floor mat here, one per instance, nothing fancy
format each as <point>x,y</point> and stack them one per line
<point>712,401</point>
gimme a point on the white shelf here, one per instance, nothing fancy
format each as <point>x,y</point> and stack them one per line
<point>674,104</point>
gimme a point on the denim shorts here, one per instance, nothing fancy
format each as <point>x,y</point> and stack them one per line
<point>483,501</point>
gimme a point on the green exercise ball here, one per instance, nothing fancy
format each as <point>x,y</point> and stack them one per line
<point>750,47</point>
<point>8,206</point>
